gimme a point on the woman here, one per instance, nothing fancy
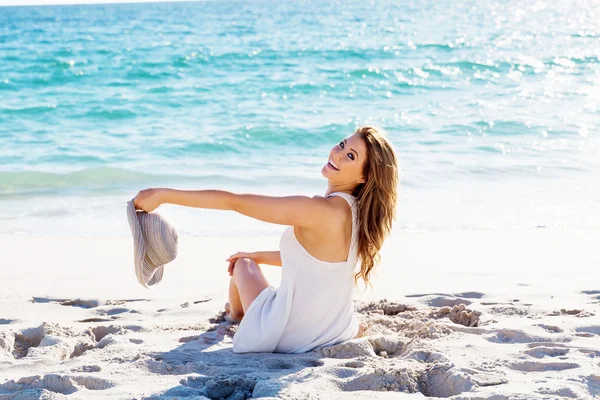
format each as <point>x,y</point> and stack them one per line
<point>319,252</point>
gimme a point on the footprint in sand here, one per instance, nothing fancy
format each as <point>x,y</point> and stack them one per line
<point>100,332</point>
<point>425,356</point>
<point>590,352</point>
<point>52,342</point>
<point>540,366</point>
<point>382,346</point>
<point>311,362</point>
<point>594,295</point>
<point>547,344</point>
<point>110,335</point>
<point>448,300</point>
<point>458,314</point>
<point>384,307</point>
<point>551,328</point>
<point>106,314</point>
<point>575,312</point>
<point>96,320</point>
<point>82,303</point>
<point>382,380</point>
<point>277,363</point>
<point>218,387</point>
<point>542,351</point>
<point>87,368</point>
<point>562,393</point>
<point>63,384</point>
<point>593,329</point>
<point>437,380</point>
<point>114,311</point>
<point>591,292</point>
<point>88,303</point>
<point>519,336</point>
<point>442,300</point>
<point>46,342</point>
<point>354,364</point>
<point>508,311</point>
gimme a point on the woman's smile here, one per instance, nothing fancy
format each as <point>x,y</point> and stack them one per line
<point>331,164</point>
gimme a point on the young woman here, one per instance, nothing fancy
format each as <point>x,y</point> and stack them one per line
<point>319,252</point>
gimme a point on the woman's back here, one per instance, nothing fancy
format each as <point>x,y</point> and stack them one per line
<point>312,306</point>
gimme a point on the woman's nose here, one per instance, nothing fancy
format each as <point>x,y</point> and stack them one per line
<point>336,153</point>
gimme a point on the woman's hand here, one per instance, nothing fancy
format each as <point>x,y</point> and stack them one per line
<point>240,254</point>
<point>148,199</point>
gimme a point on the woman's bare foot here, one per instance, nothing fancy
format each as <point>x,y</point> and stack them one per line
<point>362,328</point>
<point>228,317</point>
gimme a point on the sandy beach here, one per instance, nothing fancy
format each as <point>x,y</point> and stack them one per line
<point>488,288</point>
<point>461,315</point>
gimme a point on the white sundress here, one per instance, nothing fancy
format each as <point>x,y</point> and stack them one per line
<point>311,308</point>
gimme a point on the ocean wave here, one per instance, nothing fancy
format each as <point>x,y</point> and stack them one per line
<point>109,180</point>
<point>20,183</point>
<point>110,114</point>
<point>28,111</point>
<point>146,74</point>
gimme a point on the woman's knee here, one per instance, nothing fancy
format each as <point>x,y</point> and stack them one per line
<point>249,280</point>
<point>244,267</point>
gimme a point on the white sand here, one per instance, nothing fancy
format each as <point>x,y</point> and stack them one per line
<point>74,322</point>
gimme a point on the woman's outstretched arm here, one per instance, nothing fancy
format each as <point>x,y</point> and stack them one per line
<point>290,210</point>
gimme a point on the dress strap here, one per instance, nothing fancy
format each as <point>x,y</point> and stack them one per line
<point>354,238</point>
<point>352,202</point>
<point>348,197</point>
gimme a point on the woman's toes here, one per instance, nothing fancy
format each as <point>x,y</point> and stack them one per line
<point>362,328</point>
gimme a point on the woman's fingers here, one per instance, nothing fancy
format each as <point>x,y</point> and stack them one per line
<point>230,268</point>
<point>147,200</point>
<point>232,261</point>
<point>233,258</point>
<point>237,255</point>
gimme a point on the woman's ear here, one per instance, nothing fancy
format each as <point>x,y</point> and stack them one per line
<point>361,180</point>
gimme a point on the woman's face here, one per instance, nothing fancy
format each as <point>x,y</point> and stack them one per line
<point>346,160</point>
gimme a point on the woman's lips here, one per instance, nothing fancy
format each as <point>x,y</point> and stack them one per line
<point>331,166</point>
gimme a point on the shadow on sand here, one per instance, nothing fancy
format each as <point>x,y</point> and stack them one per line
<point>223,374</point>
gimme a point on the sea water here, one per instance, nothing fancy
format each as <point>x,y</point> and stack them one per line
<point>493,108</point>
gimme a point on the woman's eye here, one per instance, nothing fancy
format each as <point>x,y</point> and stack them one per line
<point>351,156</point>
<point>342,145</point>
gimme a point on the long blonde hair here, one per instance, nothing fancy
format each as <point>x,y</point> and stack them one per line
<point>376,198</point>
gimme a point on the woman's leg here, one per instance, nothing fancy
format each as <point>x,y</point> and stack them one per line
<point>234,309</point>
<point>245,285</point>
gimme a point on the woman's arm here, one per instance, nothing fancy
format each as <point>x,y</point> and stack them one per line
<point>269,258</point>
<point>290,210</point>
<point>259,257</point>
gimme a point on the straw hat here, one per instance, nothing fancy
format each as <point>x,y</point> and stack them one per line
<point>154,244</point>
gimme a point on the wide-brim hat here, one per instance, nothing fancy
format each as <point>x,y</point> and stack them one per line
<point>154,244</point>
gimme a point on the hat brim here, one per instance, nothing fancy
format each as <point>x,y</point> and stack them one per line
<point>148,274</point>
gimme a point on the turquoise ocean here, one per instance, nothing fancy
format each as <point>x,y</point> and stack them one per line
<point>494,108</point>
